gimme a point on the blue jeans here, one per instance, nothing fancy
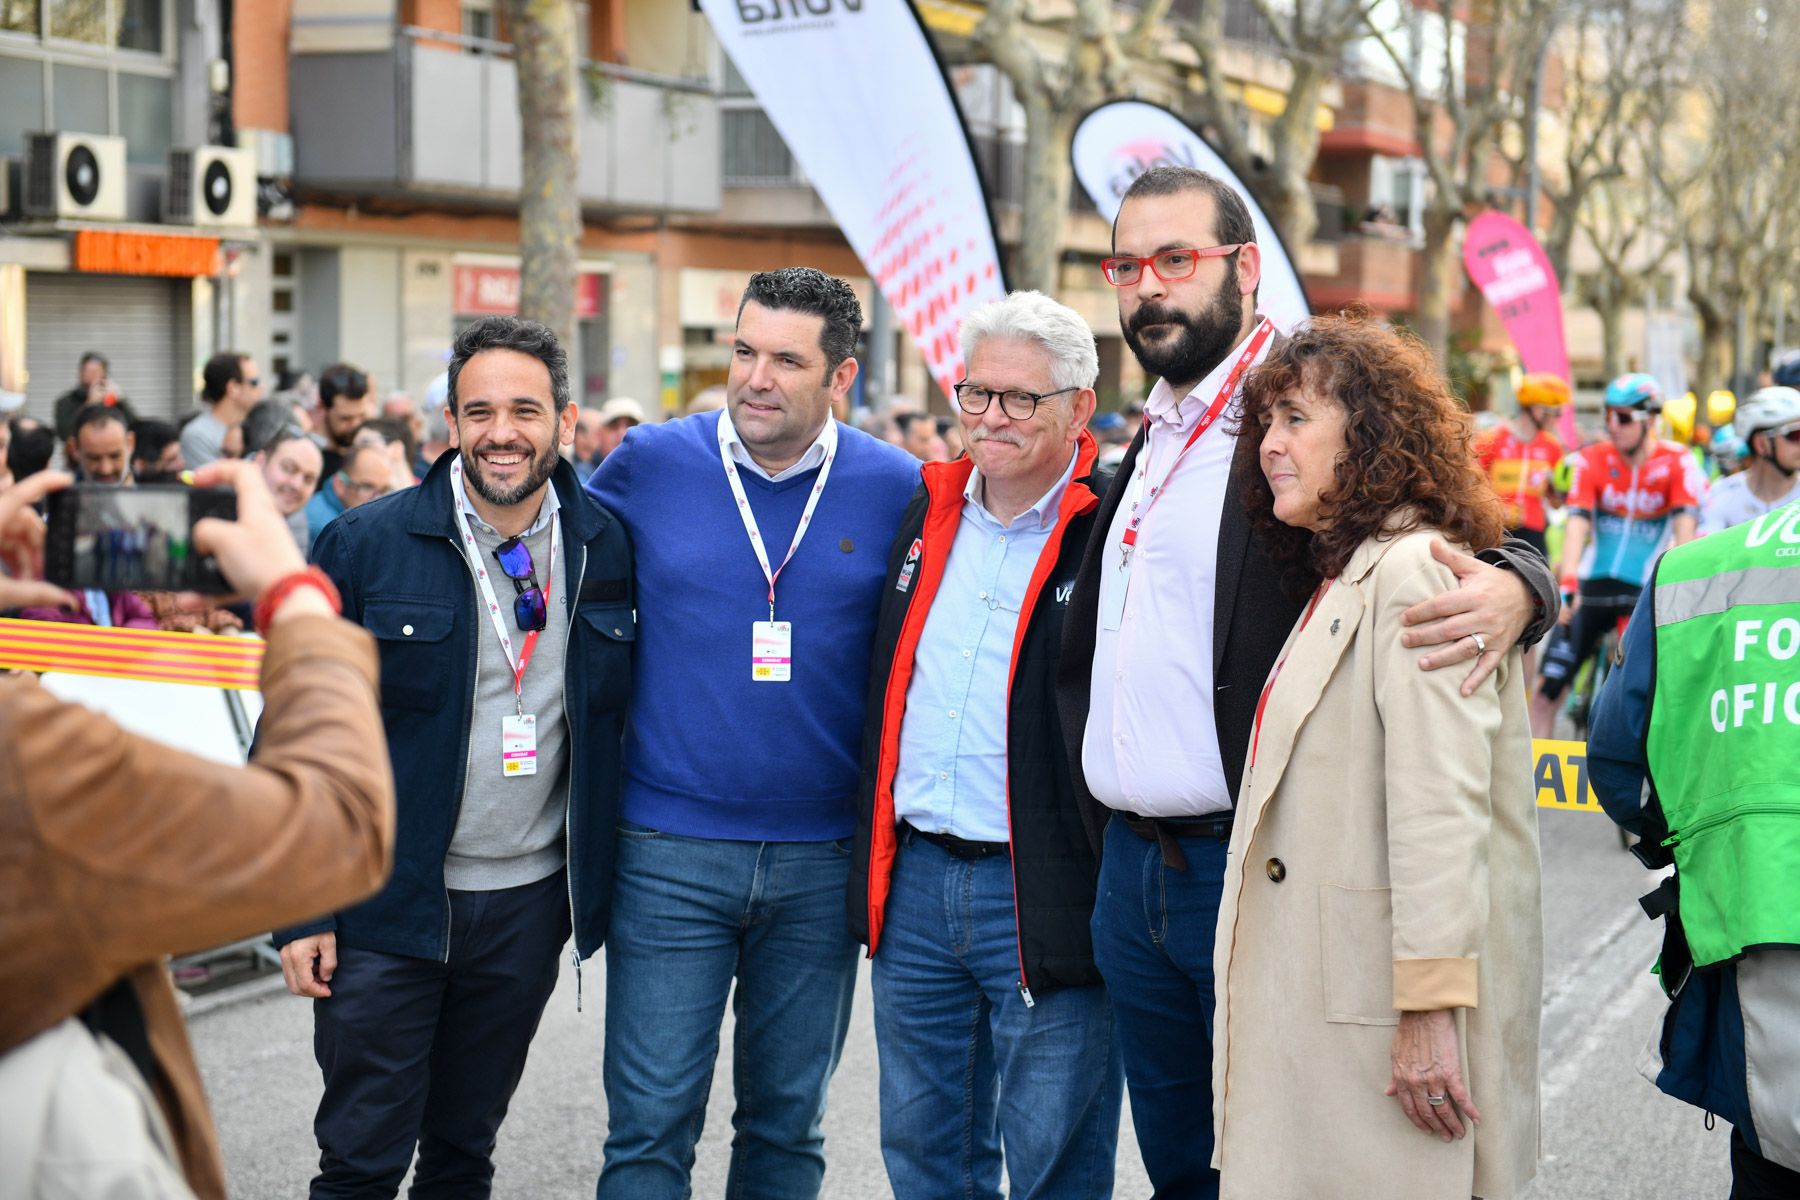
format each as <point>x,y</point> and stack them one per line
<point>1153,941</point>
<point>421,1053</point>
<point>966,1067</point>
<point>689,915</point>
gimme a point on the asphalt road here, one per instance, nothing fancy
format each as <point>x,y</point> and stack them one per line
<point>1608,1135</point>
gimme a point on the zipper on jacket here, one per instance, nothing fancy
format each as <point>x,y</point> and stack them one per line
<point>1682,835</point>
<point>569,801</point>
<point>469,745</point>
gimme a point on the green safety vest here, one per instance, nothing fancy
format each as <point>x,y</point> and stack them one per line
<point>1724,739</point>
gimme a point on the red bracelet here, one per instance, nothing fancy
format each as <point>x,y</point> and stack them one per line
<point>278,591</point>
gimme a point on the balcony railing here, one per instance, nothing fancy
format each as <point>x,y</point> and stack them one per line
<point>438,112</point>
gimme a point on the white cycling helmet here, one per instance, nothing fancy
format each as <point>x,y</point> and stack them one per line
<point>1768,408</point>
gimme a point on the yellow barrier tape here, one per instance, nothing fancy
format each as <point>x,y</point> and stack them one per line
<point>1560,769</point>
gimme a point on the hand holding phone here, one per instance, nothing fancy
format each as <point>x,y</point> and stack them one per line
<point>134,539</point>
<point>22,544</point>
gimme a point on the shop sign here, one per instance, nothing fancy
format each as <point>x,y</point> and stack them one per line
<point>494,291</point>
<point>121,253</point>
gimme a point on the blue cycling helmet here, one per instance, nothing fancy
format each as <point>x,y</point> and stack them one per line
<point>1727,446</point>
<point>1786,371</point>
<point>1637,391</point>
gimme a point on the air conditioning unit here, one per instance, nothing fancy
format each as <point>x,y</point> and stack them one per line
<point>210,185</point>
<point>80,175</point>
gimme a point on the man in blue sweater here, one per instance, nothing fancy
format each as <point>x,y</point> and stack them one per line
<point>760,536</point>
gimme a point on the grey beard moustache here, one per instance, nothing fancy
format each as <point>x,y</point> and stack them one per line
<point>1006,439</point>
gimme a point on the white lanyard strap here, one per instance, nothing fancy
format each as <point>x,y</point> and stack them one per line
<point>518,662</point>
<point>749,517</point>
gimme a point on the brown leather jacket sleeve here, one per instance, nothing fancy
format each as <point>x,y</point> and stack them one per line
<point>165,852</point>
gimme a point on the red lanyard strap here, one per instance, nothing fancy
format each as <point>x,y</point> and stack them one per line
<point>1140,508</point>
<point>1262,701</point>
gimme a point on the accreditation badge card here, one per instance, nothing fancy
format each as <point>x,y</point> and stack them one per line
<point>518,745</point>
<point>771,651</point>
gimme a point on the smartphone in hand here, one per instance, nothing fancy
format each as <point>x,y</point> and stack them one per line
<point>133,539</point>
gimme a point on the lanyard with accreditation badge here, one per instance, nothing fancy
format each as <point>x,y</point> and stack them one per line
<point>772,641</point>
<point>1137,506</point>
<point>518,733</point>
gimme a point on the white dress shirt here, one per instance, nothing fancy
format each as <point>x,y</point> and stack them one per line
<point>810,461</point>
<point>1151,746</point>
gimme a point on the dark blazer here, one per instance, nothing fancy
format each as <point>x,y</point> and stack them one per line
<point>398,561</point>
<point>1252,616</point>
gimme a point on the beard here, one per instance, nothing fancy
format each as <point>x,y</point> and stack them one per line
<point>1202,340</point>
<point>541,468</point>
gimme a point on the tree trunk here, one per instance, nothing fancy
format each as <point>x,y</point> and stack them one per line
<point>1611,307</point>
<point>1048,129</point>
<point>1438,276</point>
<point>1286,191</point>
<point>544,40</point>
<point>1716,352</point>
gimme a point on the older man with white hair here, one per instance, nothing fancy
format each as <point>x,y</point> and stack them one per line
<point>994,1031</point>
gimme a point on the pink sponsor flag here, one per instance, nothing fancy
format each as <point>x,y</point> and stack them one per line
<point>1516,277</point>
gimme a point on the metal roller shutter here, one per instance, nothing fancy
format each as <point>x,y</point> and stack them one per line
<point>144,326</point>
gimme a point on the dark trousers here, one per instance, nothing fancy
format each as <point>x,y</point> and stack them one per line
<point>1153,942</point>
<point>427,1054</point>
<point>1754,1177</point>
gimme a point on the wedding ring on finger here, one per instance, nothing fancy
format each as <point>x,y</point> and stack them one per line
<point>1434,1101</point>
<point>1480,648</point>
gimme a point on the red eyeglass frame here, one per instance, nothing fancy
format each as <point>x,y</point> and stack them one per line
<point>1199,252</point>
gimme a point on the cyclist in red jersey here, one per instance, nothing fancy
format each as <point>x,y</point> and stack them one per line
<point>1632,494</point>
<point>1520,455</point>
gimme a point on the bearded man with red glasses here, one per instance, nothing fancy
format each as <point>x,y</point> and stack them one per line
<point>500,597</point>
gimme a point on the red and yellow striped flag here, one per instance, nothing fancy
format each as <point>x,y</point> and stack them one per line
<point>148,654</point>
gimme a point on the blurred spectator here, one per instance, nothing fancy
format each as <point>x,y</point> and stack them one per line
<point>33,446</point>
<point>156,452</point>
<point>266,420</point>
<point>365,474</point>
<point>103,445</point>
<point>584,453</point>
<point>102,449</point>
<point>1134,419</point>
<point>291,464</point>
<point>229,385</point>
<point>919,437</point>
<point>437,424</point>
<point>345,402</point>
<point>706,400</point>
<point>879,425</point>
<point>617,416</point>
<point>400,407</point>
<point>396,438</point>
<point>1114,435</point>
<point>95,387</point>
<point>951,432</point>
<point>233,446</point>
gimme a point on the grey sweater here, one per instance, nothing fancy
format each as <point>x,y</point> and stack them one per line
<point>509,831</point>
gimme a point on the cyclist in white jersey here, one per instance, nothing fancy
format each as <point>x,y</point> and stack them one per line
<point>1769,423</point>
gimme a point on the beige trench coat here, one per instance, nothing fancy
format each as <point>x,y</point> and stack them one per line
<point>1384,856</point>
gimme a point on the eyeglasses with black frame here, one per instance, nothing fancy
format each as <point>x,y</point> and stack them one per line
<point>529,610</point>
<point>1171,266</point>
<point>1016,403</point>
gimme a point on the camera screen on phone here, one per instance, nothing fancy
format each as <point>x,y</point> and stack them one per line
<point>133,541</point>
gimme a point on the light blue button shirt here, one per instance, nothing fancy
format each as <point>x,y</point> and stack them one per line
<point>951,777</point>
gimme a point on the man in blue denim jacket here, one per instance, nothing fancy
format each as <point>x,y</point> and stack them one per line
<point>501,597</point>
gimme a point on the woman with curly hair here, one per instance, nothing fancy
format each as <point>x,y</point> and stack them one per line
<point>1380,945</point>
